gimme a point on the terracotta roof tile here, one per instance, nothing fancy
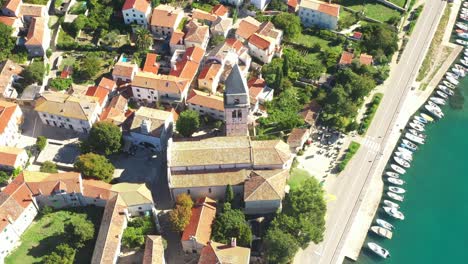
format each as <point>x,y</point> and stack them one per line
<point>206,100</point>
<point>100,92</point>
<point>196,33</point>
<point>219,10</point>
<point>247,27</point>
<point>150,63</point>
<point>12,4</point>
<point>47,183</point>
<point>329,9</point>
<point>35,35</point>
<point>163,83</point>
<point>259,41</point>
<point>216,252</point>
<point>296,136</point>
<point>9,21</point>
<point>107,83</point>
<point>202,15</point>
<point>7,110</point>
<point>346,58</point>
<point>166,16</point>
<point>234,43</point>
<point>97,189</point>
<point>256,86</point>
<point>366,59</point>
<point>154,250</point>
<point>18,190</point>
<point>177,38</point>
<point>32,10</point>
<point>265,185</point>
<point>210,71</point>
<point>140,5</point>
<point>9,155</point>
<point>203,214</point>
<point>124,69</point>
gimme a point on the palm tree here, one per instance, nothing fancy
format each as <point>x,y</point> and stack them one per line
<point>143,39</point>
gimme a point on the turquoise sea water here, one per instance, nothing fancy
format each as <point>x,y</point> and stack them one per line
<point>436,201</point>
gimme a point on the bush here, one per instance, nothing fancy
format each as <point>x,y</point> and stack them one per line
<point>41,143</point>
<point>353,148</point>
<point>104,138</point>
<point>188,123</point>
<point>48,53</point>
<point>61,84</point>
<point>369,115</point>
<point>4,177</point>
<point>300,152</point>
<point>134,235</point>
<point>180,216</point>
<point>46,210</point>
<point>49,167</point>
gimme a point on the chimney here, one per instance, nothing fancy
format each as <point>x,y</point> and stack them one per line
<point>145,126</point>
<point>233,242</point>
<point>174,67</point>
<point>10,220</point>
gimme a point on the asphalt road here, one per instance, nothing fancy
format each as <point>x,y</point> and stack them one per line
<point>351,182</point>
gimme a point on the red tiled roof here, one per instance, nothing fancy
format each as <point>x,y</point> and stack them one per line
<point>177,38</point>
<point>346,58</point>
<point>140,5</point>
<point>188,66</point>
<point>234,43</point>
<point>9,155</point>
<point>357,35</point>
<point>195,53</point>
<point>97,189</point>
<point>150,63</point>
<point>296,136</point>
<point>107,83</point>
<point>202,15</point>
<point>259,41</point>
<point>202,217</point>
<point>7,110</point>
<point>9,21</point>
<point>329,9</point>
<point>36,32</point>
<point>12,4</point>
<point>219,10</point>
<point>256,86</point>
<point>366,59</point>
<point>18,190</point>
<point>100,92</point>
<point>247,27</point>
<point>69,181</point>
<point>293,3</point>
<point>209,71</point>
<point>123,69</point>
<point>165,16</point>
<point>119,102</point>
<point>66,72</point>
<point>206,100</point>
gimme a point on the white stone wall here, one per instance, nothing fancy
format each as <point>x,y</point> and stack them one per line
<point>310,17</point>
<point>262,207</point>
<point>134,16</point>
<point>216,114</point>
<point>214,192</point>
<point>264,55</point>
<point>151,95</point>
<point>137,210</point>
<point>68,123</point>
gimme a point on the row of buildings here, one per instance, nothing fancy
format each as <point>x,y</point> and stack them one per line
<point>23,198</point>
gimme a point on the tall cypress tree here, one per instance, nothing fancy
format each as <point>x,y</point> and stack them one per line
<point>286,66</point>
<point>279,78</point>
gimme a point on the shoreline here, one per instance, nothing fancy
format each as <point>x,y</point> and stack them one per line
<point>370,201</point>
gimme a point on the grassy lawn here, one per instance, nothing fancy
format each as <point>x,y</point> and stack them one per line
<point>70,60</point>
<point>309,41</point>
<point>47,232</point>
<point>298,177</point>
<point>372,9</point>
<point>347,19</point>
<point>52,21</point>
<point>400,3</point>
<point>370,112</point>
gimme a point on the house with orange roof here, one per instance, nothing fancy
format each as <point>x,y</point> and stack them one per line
<point>108,84</point>
<point>366,59</point>
<point>203,16</point>
<point>230,53</point>
<point>17,212</point>
<point>11,8</point>
<point>150,87</point>
<point>293,5</point>
<point>259,93</point>
<point>11,118</point>
<point>206,104</point>
<point>247,27</point>
<point>220,11</point>
<point>209,77</point>
<point>298,138</point>
<point>215,252</point>
<point>124,71</point>
<point>262,47</point>
<point>38,37</point>
<point>176,42</point>
<point>317,13</point>
<point>346,58</point>
<point>185,65</point>
<point>100,92</point>
<point>117,111</point>
<point>197,233</point>
<point>12,158</point>
<point>136,12</point>
<point>96,192</point>
<point>196,35</point>
<point>165,20</point>
<point>151,64</point>
<point>9,74</point>
<point>30,11</point>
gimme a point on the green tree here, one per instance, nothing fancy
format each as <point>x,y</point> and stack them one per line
<point>376,36</point>
<point>289,23</point>
<point>96,166</point>
<point>144,39</point>
<point>231,223</point>
<point>4,177</point>
<point>286,65</point>
<point>280,246</point>
<point>180,218</point>
<point>34,72</point>
<point>229,195</point>
<point>279,80</point>
<point>88,67</point>
<point>235,13</point>
<point>132,237</point>
<point>184,200</point>
<point>188,123</point>
<point>7,42</point>
<point>80,231</point>
<point>63,254</point>
<point>104,138</point>
<point>79,23</point>
<point>61,84</point>
<point>215,40</point>
<point>41,143</point>
<point>49,167</point>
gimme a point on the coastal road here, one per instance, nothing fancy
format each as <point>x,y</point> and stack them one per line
<point>350,185</point>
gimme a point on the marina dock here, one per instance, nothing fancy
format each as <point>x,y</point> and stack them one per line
<point>370,197</point>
